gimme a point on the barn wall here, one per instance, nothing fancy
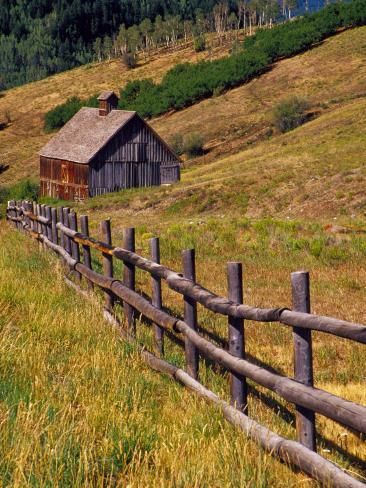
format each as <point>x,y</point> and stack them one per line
<point>63,179</point>
<point>133,158</point>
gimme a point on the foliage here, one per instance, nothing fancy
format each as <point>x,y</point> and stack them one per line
<point>186,84</point>
<point>58,116</point>
<point>290,113</point>
<point>24,190</point>
<point>193,145</point>
<point>199,43</point>
<point>177,143</point>
<point>129,59</point>
<point>39,38</point>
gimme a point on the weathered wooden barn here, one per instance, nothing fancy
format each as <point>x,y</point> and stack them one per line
<point>103,149</point>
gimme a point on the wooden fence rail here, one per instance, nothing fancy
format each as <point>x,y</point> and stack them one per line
<point>58,230</point>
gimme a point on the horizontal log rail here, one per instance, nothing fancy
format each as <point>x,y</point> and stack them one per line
<point>52,230</point>
<point>332,406</point>
<point>223,306</point>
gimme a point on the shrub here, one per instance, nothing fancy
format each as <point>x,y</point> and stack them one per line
<point>199,43</point>
<point>129,60</point>
<point>57,117</point>
<point>187,83</point>
<point>290,113</point>
<point>177,143</point>
<point>193,145</point>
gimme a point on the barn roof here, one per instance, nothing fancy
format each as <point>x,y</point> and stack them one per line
<point>85,135</point>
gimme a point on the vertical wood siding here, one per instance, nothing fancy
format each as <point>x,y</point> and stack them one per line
<point>135,157</point>
<point>63,179</point>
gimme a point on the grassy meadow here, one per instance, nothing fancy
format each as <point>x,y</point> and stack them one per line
<point>77,405</point>
<point>79,408</point>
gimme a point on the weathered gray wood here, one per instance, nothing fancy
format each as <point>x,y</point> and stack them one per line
<point>288,451</point>
<point>338,409</point>
<point>129,276</point>
<point>48,216</point>
<point>238,385</point>
<point>223,306</point>
<point>60,219</point>
<point>53,225</point>
<point>303,358</point>
<point>87,259</point>
<point>75,251</point>
<point>333,407</point>
<point>107,261</point>
<point>66,238</point>
<point>190,313</point>
<point>156,297</point>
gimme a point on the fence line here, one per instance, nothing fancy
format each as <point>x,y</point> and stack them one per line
<point>59,232</point>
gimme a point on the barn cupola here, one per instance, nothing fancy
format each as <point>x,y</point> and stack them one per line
<point>108,101</point>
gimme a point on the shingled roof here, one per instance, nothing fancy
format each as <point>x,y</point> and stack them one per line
<point>85,135</point>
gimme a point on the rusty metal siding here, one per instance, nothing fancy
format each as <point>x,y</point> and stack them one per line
<point>63,179</point>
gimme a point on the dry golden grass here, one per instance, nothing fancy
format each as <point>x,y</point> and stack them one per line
<point>288,175</point>
<point>27,104</point>
<point>79,408</point>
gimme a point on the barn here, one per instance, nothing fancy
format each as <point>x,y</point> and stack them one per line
<point>101,150</point>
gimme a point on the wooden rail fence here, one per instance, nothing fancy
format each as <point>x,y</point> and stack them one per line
<point>57,229</point>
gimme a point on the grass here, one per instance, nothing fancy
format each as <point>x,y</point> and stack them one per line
<point>79,408</point>
<point>290,175</point>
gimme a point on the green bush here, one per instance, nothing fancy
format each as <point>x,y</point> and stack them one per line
<point>199,43</point>
<point>129,60</point>
<point>186,83</point>
<point>177,144</point>
<point>58,116</point>
<point>290,113</point>
<point>193,145</point>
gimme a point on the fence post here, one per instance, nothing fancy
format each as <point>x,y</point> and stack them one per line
<point>49,225</point>
<point>303,358</point>
<point>53,225</point>
<point>43,214</point>
<point>75,251</point>
<point>156,298</point>
<point>190,313</point>
<point>60,218</point>
<point>67,244</point>
<point>11,213</point>
<point>105,229</point>
<point>84,227</point>
<point>129,276</point>
<point>238,384</point>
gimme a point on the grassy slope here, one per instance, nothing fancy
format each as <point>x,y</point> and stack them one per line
<point>21,141</point>
<point>78,407</point>
<point>319,164</point>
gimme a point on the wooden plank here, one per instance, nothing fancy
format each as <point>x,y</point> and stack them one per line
<point>238,385</point>
<point>75,251</point>
<point>336,408</point>
<point>87,259</point>
<point>67,241</point>
<point>107,261</point>
<point>156,297</point>
<point>223,306</point>
<point>303,358</point>
<point>53,225</point>
<point>129,276</point>
<point>190,314</point>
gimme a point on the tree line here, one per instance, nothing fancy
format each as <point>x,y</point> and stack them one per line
<point>187,83</point>
<point>42,37</point>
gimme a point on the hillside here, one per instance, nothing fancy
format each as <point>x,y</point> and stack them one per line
<point>291,175</point>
